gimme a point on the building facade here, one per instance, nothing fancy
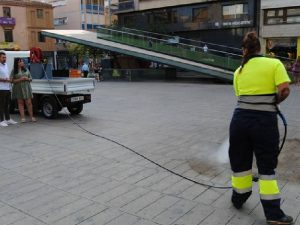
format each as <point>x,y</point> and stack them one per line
<point>223,22</point>
<point>280,27</point>
<point>21,23</point>
<point>78,14</point>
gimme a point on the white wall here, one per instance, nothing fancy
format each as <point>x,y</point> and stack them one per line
<point>270,4</point>
<point>70,10</point>
<point>285,30</point>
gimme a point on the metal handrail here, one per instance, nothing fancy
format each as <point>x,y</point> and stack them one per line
<point>166,41</point>
<point>182,38</point>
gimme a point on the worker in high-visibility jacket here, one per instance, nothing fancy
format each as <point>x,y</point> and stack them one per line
<point>260,84</point>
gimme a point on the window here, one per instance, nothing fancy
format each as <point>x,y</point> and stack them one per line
<point>274,16</point>
<point>293,12</point>
<point>8,35</point>
<point>60,21</point>
<point>40,13</point>
<point>129,21</point>
<point>6,12</point>
<point>237,11</point>
<point>282,16</point>
<point>200,14</point>
<point>41,38</point>
<point>293,15</point>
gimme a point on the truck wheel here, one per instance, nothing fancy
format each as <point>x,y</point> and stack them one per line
<point>49,108</point>
<point>75,109</point>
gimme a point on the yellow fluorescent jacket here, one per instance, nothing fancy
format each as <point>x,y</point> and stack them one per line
<point>259,76</point>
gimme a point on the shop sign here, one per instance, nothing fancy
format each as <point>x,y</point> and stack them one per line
<point>237,23</point>
<point>9,46</point>
<point>7,21</point>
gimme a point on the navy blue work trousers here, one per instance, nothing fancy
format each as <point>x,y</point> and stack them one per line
<point>256,133</point>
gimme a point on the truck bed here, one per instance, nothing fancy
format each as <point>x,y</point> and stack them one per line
<point>63,86</point>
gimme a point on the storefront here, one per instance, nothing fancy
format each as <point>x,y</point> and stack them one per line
<point>282,47</point>
<point>223,22</point>
<point>280,28</point>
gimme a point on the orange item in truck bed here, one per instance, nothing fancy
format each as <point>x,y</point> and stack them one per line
<point>75,73</point>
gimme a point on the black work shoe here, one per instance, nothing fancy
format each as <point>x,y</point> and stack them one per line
<point>237,204</point>
<point>285,220</point>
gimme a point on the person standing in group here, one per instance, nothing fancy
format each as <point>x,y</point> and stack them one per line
<point>205,48</point>
<point>296,71</point>
<point>85,69</point>
<point>21,89</point>
<point>260,84</point>
<point>5,85</point>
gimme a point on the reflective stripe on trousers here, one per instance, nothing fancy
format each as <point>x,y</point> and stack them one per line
<point>242,182</point>
<point>268,187</point>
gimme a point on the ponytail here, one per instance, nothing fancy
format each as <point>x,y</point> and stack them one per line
<point>252,47</point>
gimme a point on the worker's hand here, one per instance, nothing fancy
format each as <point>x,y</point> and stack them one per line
<point>283,92</point>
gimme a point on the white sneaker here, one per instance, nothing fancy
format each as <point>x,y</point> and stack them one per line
<point>11,121</point>
<point>3,124</point>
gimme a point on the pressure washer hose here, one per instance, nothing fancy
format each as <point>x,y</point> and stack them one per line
<point>208,186</point>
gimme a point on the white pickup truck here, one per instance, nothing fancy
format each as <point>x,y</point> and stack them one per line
<point>51,95</point>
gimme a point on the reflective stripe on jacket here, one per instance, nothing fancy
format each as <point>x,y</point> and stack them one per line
<point>257,102</point>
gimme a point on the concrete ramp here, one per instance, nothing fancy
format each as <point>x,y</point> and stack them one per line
<point>90,39</point>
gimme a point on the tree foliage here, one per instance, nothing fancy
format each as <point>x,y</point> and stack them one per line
<point>83,51</point>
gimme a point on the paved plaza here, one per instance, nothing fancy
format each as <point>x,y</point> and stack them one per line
<point>54,173</point>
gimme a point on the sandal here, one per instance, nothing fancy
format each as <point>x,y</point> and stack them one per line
<point>23,120</point>
<point>33,119</point>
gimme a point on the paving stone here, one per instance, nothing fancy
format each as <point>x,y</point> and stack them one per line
<point>158,207</point>
<point>208,197</point>
<point>128,197</point>
<point>125,219</point>
<point>166,183</point>
<point>29,196</point>
<point>145,222</point>
<point>53,205</point>
<point>155,178</point>
<point>142,202</point>
<point>174,212</point>
<point>11,218</point>
<point>195,216</point>
<point>218,217</point>
<point>67,210</point>
<point>103,217</point>
<point>30,187</point>
<point>81,215</point>
<point>90,184</point>
<point>141,175</point>
<point>192,192</point>
<point>99,189</point>
<point>113,193</point>
<point>243,220</point>
<point>28,221</point>
<point>179,187</point>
